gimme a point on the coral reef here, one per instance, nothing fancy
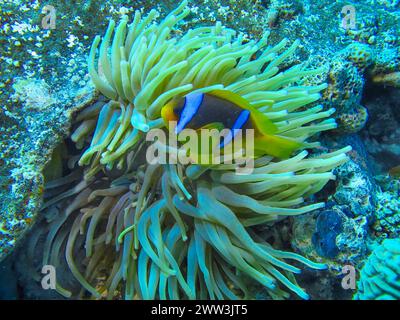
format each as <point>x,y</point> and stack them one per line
<point>349,56</point>
<point>387,223</point>
<point>344,240</point>
<point>360,54</point>
<point>51,123</point>
<point>328,226</point>
<point>340,233</point>
<point>379,279</point>
<point>29,136</point>
<point>382,132</point>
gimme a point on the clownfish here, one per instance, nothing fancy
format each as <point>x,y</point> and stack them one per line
<point>223,109</point>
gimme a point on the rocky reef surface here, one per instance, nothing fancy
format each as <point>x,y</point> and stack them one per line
<point>44,80</point>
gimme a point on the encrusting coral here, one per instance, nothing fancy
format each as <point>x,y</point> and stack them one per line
<point>136,230</point>
<point>379,278</point>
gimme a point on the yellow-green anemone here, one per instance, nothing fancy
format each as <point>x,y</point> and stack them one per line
<point>183,231</point>
<point>145,66</point>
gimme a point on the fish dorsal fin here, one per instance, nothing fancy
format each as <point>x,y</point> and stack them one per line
<point>213,125</point>
<point>262,122</point>
<point>232,97</point>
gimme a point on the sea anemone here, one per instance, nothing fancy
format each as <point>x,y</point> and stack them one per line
<point>169,231</point>
<point>145,67</point>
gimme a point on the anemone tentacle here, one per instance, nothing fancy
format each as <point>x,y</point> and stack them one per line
<point>147,66</point>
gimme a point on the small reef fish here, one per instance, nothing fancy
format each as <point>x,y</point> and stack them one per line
<point>223,109</point>
<point>395,171</point>
<point>389,79</point>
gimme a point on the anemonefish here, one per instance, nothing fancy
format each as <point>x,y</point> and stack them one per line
<point>226,109</point>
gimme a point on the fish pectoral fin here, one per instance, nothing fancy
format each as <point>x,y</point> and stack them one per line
<point>275,146</point>
<point>213,142</point>
<point>263,124</point>
<point>213,125</point>
<point>232,97</point>
<point>204,145</point>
